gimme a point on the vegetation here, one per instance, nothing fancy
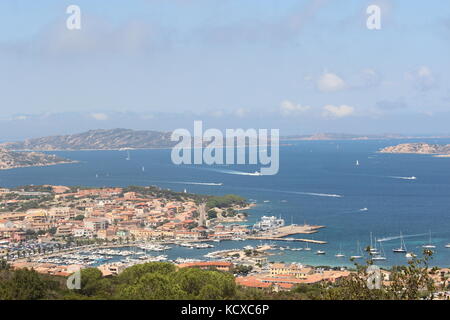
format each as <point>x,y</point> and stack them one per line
<point>160,280</point>
<point>149,281</point>
<point>226,201</point>
<point>410,282</point>
<point>223,202</point>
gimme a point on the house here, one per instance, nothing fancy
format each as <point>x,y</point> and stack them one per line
<point>295,269</point>
<point>64,230</point>
<point>219,265</point>
<point>95,224</point>
<point>79,232</point>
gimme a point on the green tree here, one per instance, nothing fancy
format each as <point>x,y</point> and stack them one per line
<point>24,284</point>
<point>152,286</point>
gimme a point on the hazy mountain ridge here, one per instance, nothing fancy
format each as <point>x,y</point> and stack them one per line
<point>418,148</point>
<point>342,136</point>
<point>96,140</point>
<point>13,159</point>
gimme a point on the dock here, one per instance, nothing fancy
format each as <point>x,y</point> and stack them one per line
<point>287,240</point>
<point>281,233</point>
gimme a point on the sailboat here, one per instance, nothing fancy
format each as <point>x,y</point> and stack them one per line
<point>357,162</point>
<point>373,249</point>
<point>402,248</point>
<point>429,245</point>
<point>143,169</point>
<point>339,254</point>
<point>307,247</point>
<point>359,254</point>
<point>380,256</point>
<point>128,155</point>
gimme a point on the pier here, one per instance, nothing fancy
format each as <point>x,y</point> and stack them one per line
<point>287,239</point>
<point>281,233</point>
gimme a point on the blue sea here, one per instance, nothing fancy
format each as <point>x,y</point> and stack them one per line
<point>318,183</point>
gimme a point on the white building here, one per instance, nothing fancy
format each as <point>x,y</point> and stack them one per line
<point>268,223</point>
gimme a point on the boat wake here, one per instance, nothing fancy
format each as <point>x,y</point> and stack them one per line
<point>404,236</point>
<point>403,178</point>
<point>319,194</point>
<point>363,209</point>
<point>240,173</point>
<point>197,183</point>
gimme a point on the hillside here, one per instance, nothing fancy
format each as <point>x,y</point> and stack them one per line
<point>96,140</point>
<point>12,159</point>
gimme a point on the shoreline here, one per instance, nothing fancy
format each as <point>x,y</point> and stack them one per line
<point>41,165</point>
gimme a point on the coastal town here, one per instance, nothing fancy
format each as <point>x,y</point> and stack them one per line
<point>58,230</point>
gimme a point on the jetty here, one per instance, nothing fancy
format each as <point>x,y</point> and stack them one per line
<point>287,239</point>
<point>282,233</point>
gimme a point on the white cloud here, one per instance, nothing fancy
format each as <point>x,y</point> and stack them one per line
<point>288,108</point>
<point>337,111</point>
<point>329,82</point>
<point>21,117</point>
<point>99,116</point>
<point>241,112</point>
<point>422,78</point>
<point>369,78</point>
<point>217,114</point>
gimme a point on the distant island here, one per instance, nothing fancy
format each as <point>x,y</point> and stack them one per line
<point>117,139</point>
<point>342,136</point>
<point>419,148</point>
<point>96,140</point>
<point>12,159</point>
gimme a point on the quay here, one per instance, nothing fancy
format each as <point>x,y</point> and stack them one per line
<point>288,239</point>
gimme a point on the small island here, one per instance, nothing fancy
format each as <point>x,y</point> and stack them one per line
<point>419,148</point>
<point>13,159</point>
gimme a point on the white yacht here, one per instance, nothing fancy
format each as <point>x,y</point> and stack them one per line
<point>359,253</point>
<point>339,254</point>
<point>430,245</point>
<point>410,255</point>
<point>320,252</point>
<point>402,248</point>
<point>373,249</point>
<point>379,256</point>
<point>307,248</point>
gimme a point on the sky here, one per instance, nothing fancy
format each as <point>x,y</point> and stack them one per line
<point>301,66</point>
